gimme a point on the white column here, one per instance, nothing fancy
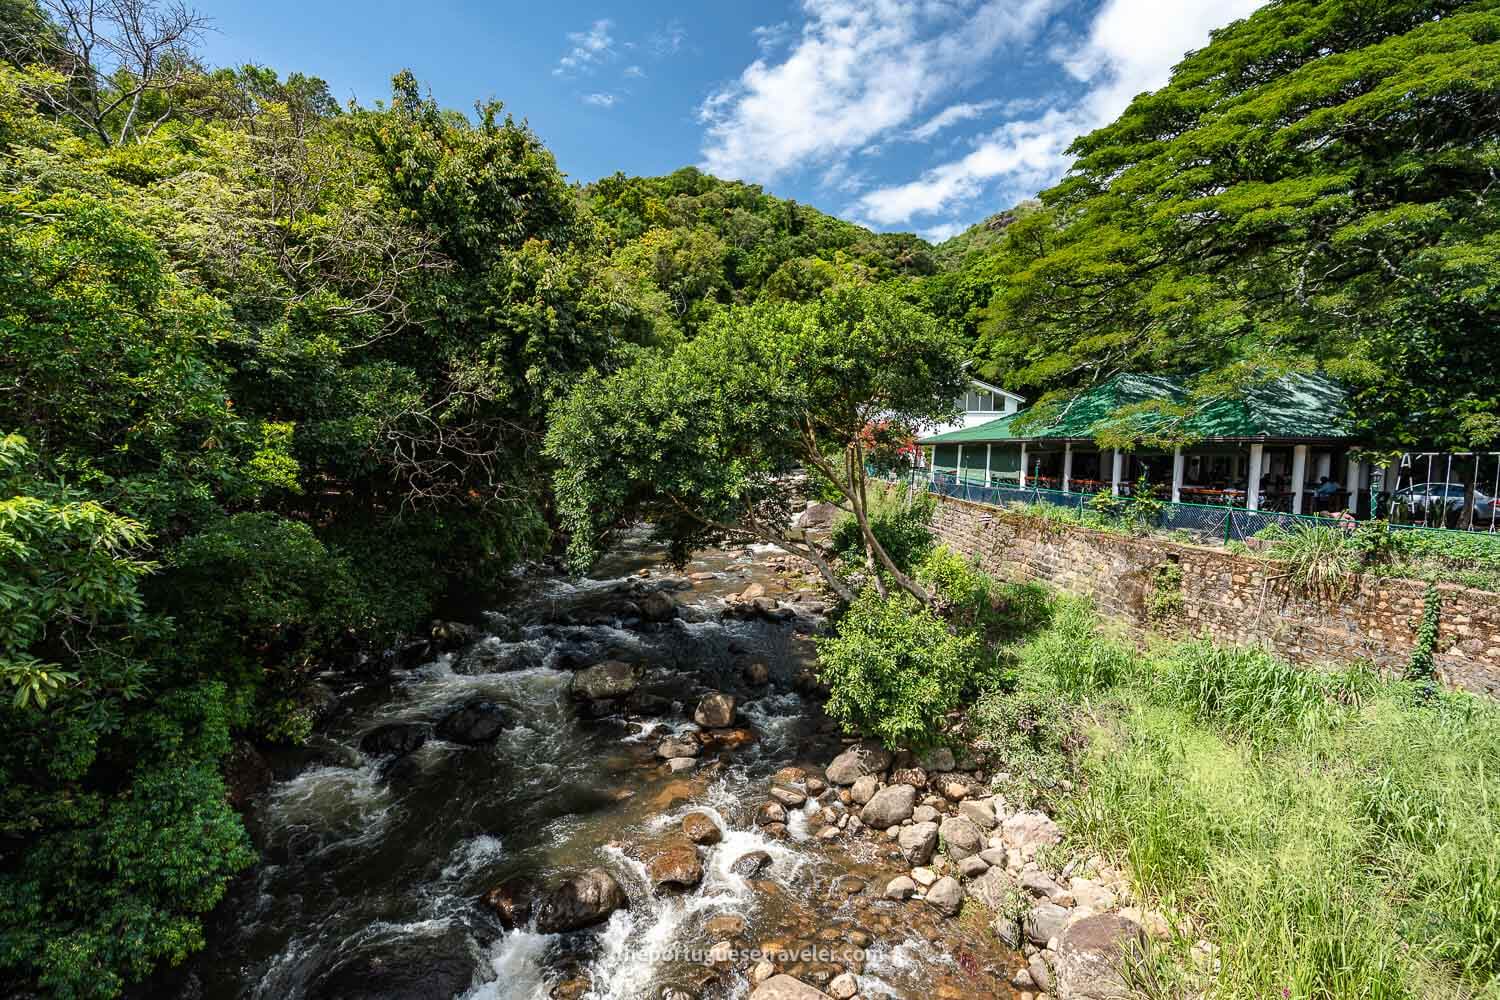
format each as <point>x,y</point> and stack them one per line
<point>1114,482</point>
<point>1068,467</point>
<point>1252,480</point>
<point>1325,464</point>
<point>1353,482</point>
<point>1023,465</point>
<point>1179,466</point>
<point>1299,476</point>
<point>958,465</point>
<point>987,448</point>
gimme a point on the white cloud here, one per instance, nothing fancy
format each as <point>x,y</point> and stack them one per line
<point>951,115</point>
<point>601,99</point>
<point>589,48</point>
<point>859,69</point>
<point>770,37</point>
<point>1131,47</point>
<point>668,39</point>
<point>634,71</point>
<point>943,231</point>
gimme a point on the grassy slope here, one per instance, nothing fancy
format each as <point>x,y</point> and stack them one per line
<point>1331,835</point>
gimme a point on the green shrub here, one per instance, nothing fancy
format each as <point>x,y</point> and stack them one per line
<point>895,669</point>
<point>903,527</point>
<point>1029,734</point>
<point>1321,559</point>
<point>965,591</point>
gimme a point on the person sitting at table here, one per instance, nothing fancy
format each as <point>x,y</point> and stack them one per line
<point>1326,491</point>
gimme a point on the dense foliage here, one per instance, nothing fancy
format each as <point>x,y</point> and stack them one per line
<point>1314,187</point>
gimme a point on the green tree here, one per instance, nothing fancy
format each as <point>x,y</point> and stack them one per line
<point>1313,188</point>
<point>700,441</point>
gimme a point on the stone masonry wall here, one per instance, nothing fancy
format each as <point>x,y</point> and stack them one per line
<point>1234,599</point>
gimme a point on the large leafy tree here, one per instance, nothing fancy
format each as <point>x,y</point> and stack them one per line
<point>700,440</point>
<point>1316,187</point>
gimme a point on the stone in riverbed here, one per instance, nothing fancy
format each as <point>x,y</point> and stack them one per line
<point>757,674</point>
<point>973,866</point>
<point>701,829</point>
<point>581,901</point>
<point>993,890</point>
<point>843,987</point>
<point>1029,831</point>
<point>770,812</point>
<point>789,797</point>
<point>946,896</point>
<point>477,722</point>
<point>1045,921</point>
<point>900,887</point>
<point>674,865</point>
<point>1090,955</point>
<point>715,711</point>
<point>980,812</point>
<point>751,865</point>
<point>399,738</point>
<point>679,765</point>
<point>784,987</point>
<point>668,749</point>
<point>602,681</point>
<point>864,789</point>
<point>940,759</point>
<point>917,842</point>
<point>858,761</point>
<point>890,806</point>
<point>961,838</point>
<point>1040,884</point>
<point>512,902</point>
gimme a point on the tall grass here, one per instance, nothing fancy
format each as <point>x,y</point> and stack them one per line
<point>1333,835</point>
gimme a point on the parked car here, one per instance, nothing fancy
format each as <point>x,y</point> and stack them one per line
<point>1443,501</point>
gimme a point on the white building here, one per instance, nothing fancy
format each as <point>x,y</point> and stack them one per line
<point>982,403</point>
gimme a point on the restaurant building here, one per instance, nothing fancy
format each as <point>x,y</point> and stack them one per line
<point>1281,446</point>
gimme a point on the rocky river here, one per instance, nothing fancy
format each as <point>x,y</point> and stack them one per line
<point>528,808</point>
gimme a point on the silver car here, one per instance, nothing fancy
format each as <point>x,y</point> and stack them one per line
<point>1429,499</point>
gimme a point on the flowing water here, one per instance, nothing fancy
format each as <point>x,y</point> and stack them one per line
<point>373,869</point>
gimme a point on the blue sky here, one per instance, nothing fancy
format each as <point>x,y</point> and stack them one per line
<point>903,115</point>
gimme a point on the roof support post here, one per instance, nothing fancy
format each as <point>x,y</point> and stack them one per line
<point>987,448</point>
<point>1299,476</point>
<point>958,466</point>
<point>1068,467</point>
<point>1179,462</point>
<point>1354,483</point>
<point>1114,482</point>
<point>1252,481</point>
<point>1023,465</point>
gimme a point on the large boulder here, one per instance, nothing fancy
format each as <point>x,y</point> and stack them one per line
<point>1045,921</point>
<point>917,842</point>
<point>980,812</point>
<point>602,681</point>
<point>890,806</point>
<point>581,901</point>
<point>477,722</point>
<point>1028,831</point>
<point>1091,955</point>
<point>398,738</point>
<point>677,747</point>
<point>961,838</point>
<point>512,903</point>
<point>700,828</point>
<point>858,761</point>
<point>715,711</point>
<point>751,865</point>
<point>657,607</point>
<point>431,966</point>
<point>946,896</point>
<point>674,865</point>
<point>784,987</point>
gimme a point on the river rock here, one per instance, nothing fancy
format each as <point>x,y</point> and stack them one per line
<point>817,515</point>
<point>980,812</point>
<point>1040,884</point>
<point>674,865</point>
<point>757,674</point>
<point>993,890</point>
<point>449,636</point>
<point>946,896</point>
<point>917,842</point>
<point>843,987</point>
<point>512,903</point>
<point>973,866</point>
<point>1090,894</point>
<point>602,681</point>
<point>667,749</point>
<point>940,759</point>
<point>680,765</point>
<point>770,812</point>
<point>751,865</point>
<point>858,761</point>
<point>715,711</point>
<point>925,814</point>
<point>1090,955</point>
<point>900,887</point>
<point>789,797</point>
<point>1045,921</point>
<point>1028,831</point>
<point>700,828</point>
<point>477,722</point>
<point>913,776</point>
<point>784,987</point>
<point>864,789</point>
<point>581,901</point>
<point>657,607</point>
<point>399,738</point>
<point>961,838</point>
<point>890,806</point>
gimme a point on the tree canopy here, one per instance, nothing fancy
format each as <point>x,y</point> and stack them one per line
<point>1313,188</point>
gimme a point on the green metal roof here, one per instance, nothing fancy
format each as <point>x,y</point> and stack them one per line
<point>1296,407</point>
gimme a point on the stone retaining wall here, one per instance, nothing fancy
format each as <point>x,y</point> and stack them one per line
<point>1231,598</point>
